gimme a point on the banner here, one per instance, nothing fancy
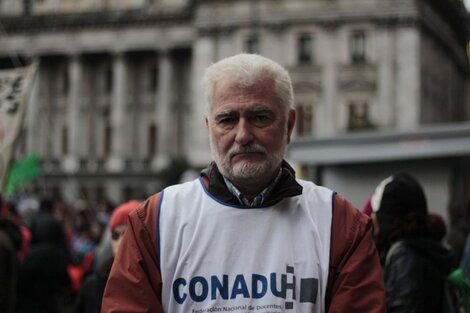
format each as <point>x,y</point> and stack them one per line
<point>15,85</point>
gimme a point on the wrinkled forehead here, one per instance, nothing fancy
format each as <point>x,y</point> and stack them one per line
<point>228,90</point>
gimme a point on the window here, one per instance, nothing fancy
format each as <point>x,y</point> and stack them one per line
<point>305,49</point>
<point>108,132</point>
<point>65,141</point>
<point>56,192</point>
<point>358,47</point>
<point>358,116</point>
<point>153,78</point>
<point>100,193</point>
<point>65,82</point>
<point>304,119</point>
<point>128,193</point>
<point>252,44</point>
<point>108,79</point>
<point>152,140</point>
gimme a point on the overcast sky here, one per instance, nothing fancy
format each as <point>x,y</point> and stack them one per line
<point>467,4</point>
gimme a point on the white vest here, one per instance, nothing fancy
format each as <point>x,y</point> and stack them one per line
<point>216,257</point>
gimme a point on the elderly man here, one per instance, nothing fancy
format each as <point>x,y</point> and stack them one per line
<point>247,236</point>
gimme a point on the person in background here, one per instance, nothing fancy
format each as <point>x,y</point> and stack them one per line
<point>10,211</point>
<point>43,278</point>
<point>91,292</point>
<point>460,278</point>
<point>437,226</point>
<point>10,244</point>
<point>415,264</point>
<point>247,234</point>
<point>104,249</point>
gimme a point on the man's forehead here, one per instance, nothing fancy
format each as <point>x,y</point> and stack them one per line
<point>243,110</point>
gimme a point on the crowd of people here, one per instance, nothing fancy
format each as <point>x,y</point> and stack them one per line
<point>60,261</point>
<point>55,257</point>
<point>245,236</point>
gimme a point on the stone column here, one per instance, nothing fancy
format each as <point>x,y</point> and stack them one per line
<point>163,112</point>
<point>384,113</point>
<point>408,84</point>
<point>203,55</point>
<point>118,102</point>
<point>326,118</point>
<point>75,70</point>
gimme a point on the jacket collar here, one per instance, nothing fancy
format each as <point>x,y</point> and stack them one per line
<point>285,187</point>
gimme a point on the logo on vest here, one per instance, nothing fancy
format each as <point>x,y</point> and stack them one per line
<point>200,289</point>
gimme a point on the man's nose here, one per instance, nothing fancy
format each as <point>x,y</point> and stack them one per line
<point>244,134</point>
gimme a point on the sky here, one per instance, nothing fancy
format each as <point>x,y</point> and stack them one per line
<point>467,4</point>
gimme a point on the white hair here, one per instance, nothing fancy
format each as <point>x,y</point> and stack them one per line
<point>246,70</point>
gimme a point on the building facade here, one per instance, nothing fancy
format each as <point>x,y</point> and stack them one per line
<point>118,93</point>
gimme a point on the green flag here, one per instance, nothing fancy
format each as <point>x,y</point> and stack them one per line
<point>21,172</point>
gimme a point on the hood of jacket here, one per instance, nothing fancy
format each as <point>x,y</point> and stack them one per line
<point>434,251</point>
<point>45,228</point>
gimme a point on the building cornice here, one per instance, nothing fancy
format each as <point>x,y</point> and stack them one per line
<point>93,20</point>
<point>328,19</point>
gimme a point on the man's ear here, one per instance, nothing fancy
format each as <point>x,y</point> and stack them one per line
<point>292,115</point>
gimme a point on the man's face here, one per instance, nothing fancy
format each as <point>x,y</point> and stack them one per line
<point>248,131</point>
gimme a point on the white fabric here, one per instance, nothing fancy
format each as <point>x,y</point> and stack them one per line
<point>205,244</point>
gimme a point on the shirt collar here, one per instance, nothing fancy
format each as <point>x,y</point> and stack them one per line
<point>259,199</point>
<point>286,186</point>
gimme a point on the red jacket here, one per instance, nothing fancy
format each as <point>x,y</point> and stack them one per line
<point>355,282</point>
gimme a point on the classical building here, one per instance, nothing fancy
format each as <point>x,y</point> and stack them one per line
<point>118,96</point>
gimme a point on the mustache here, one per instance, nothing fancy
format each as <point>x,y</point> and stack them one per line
<point>253,148</point>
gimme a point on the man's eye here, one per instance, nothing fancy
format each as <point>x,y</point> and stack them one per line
<point>261,120</point>
<point>226,121</point>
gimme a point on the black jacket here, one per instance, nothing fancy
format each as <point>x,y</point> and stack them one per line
<point>415,271</point>
<point>43,277</point>
<point>10,241</point>
<point>91,293</point>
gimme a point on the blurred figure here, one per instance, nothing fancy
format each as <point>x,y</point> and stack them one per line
<point>118,222</point>
<point>457,236</point>
<point>10,243</point>
<point>43,278</point>
<point>415,265</point>
<point>460,278</point>
<point>27,209</point>
<point>103,248</point>
<point>105,209</point>
<point>437,226</point>
<point>91,293</point>
<point>83,241</point>
<point>9,210</point>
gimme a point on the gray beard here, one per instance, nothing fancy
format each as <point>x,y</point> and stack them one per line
<point>247,171</point>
